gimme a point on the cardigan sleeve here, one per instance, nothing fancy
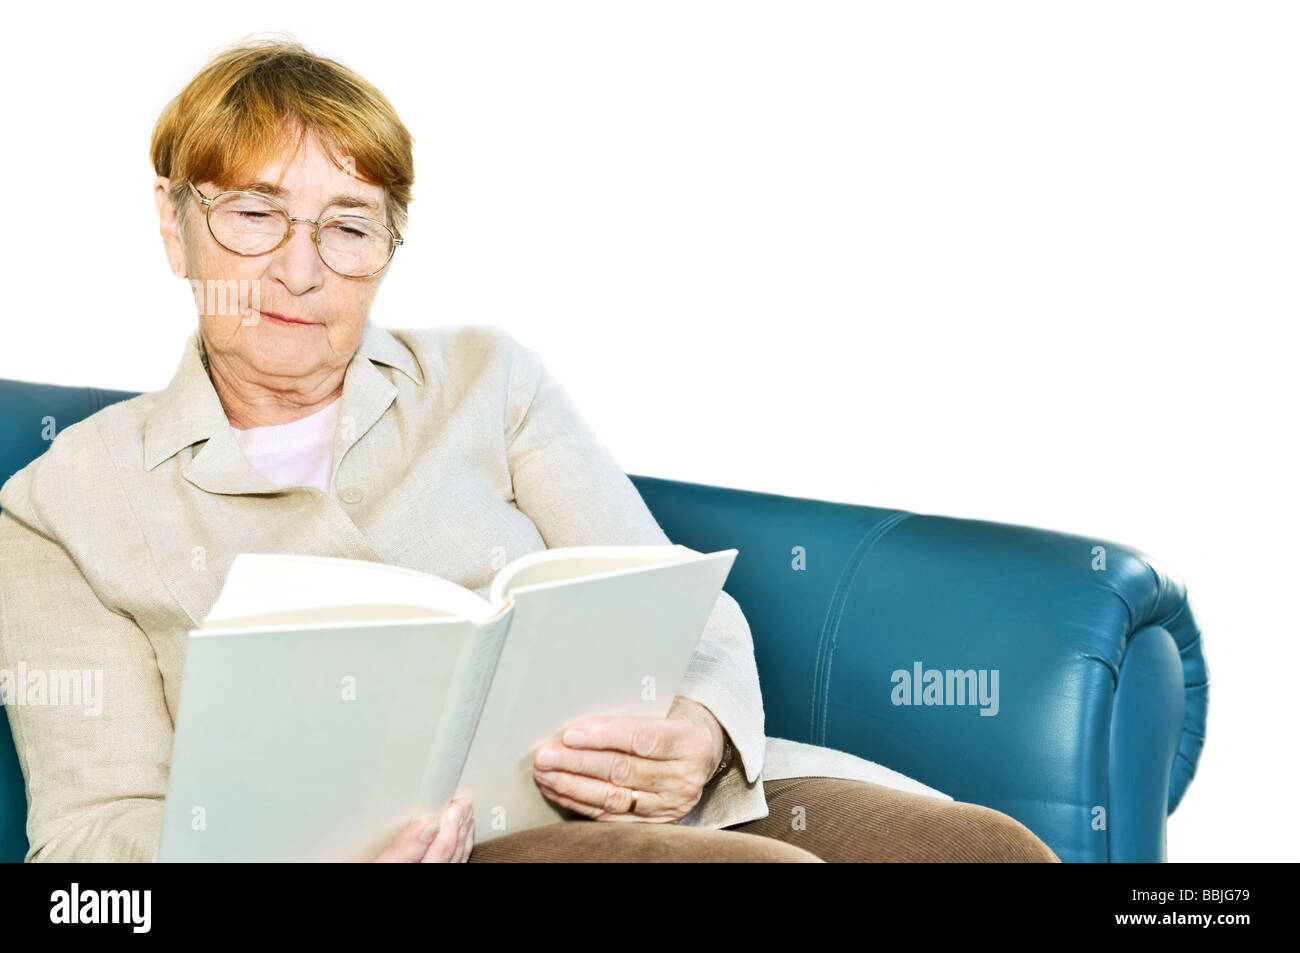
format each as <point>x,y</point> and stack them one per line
<point>569,484</point>
<point>89,720</point>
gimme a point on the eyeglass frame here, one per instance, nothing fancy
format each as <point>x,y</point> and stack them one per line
<point>288,231</point>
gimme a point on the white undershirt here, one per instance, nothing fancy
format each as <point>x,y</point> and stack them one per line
<point>298,453</point>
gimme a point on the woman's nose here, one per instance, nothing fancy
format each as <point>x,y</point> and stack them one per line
<point>299,259</point>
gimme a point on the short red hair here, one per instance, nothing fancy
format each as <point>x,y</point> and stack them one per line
<point>234,115</point>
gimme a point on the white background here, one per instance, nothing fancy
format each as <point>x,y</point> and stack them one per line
<point>1028,262</point>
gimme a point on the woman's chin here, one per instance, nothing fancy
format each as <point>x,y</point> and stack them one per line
<point>290,358</point>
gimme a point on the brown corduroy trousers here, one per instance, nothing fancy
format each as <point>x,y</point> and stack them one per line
<point>810,820</point>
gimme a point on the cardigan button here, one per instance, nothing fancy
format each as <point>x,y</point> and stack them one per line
<point>350,494</point>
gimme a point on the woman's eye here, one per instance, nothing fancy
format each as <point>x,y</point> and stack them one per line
<point>254,214</point>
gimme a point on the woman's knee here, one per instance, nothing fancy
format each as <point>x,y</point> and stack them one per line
<point>856,821</point>
<point>983,834</point>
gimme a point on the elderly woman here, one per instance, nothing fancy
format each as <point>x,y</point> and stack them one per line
<point>294,424</point>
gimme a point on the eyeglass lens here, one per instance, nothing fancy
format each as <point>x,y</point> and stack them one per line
<point>250,225</point>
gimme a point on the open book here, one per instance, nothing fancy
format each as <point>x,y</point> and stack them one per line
<point>326,702</point>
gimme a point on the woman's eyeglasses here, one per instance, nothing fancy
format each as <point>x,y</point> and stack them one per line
<point>249,224</point>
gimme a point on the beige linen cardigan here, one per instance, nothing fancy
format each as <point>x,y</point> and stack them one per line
<point>456,451</point>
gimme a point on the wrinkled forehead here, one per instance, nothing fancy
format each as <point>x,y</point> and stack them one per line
<point>350,199</point>
<point>307,172</point>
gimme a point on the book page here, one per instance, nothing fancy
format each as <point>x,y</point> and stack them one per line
<point>571,562</point>
<point>322,615</point>
<point>616,643</point>
<point>270,588</point>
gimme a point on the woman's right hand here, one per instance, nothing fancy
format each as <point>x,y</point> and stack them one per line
<point>447,838</point>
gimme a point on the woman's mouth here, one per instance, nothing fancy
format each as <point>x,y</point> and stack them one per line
<point>285,319</point>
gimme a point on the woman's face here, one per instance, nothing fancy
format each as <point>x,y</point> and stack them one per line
<point>242,341</point>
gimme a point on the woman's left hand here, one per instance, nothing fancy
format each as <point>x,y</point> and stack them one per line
<point>603,760</point>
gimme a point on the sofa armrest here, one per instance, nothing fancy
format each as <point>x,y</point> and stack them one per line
<point>1096,724</point>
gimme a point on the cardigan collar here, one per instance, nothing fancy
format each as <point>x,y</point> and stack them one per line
<point>189,411</point>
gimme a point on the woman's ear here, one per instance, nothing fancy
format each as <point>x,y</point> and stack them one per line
<point>168,225</point>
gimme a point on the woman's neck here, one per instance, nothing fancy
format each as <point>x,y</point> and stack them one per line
<point>248,405</point>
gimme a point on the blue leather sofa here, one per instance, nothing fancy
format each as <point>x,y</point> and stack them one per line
<point>1102,686</point>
